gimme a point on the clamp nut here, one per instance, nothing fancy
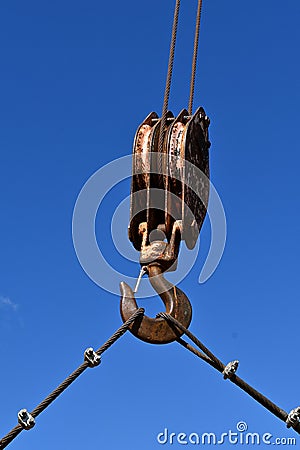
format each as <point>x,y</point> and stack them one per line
<point>91,357</point>
<point>230,369</point>
<point>293,418</point>
<point>25,419</point>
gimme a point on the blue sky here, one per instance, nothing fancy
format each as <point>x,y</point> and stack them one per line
<point>76,80</point>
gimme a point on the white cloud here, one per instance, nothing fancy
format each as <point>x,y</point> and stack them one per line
<point>6,302</point>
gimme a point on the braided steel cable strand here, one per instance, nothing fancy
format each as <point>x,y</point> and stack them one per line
<point>196,352</point>
<point>10,436</point>
<point>71,378</point>
<point>218,365</point>
<point>195,57</point>
<point>169,77</point>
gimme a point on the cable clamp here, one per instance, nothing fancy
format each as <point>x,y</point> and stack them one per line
<point>25,419</point>
<point>293,418</point>
<point>230,369</point>
<point>91,357</point>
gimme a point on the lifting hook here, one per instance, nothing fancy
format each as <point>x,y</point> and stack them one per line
<point>158,330</point>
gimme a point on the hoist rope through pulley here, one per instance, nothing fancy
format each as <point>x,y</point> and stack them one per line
<point>169,197</point>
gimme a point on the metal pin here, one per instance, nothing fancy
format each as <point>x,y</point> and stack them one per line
<point>138,281</point>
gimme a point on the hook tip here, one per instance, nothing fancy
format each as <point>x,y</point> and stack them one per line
<point>126,290</point>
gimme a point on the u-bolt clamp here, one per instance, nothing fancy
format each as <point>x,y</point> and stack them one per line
<point>158,330</point>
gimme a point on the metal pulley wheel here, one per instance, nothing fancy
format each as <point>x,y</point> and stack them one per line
<point>147,204</point>
<point>188,167</point>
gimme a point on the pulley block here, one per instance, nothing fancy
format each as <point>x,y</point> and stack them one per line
<point>170,188</point>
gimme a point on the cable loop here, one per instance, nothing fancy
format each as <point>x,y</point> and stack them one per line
<point>292,419</point>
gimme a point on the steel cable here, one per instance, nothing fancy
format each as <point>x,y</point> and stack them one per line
<point>211,359</point>
<point>218,363</point>
<point>195,57</point>
<point>71,378</point>
<point>169,78</point>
